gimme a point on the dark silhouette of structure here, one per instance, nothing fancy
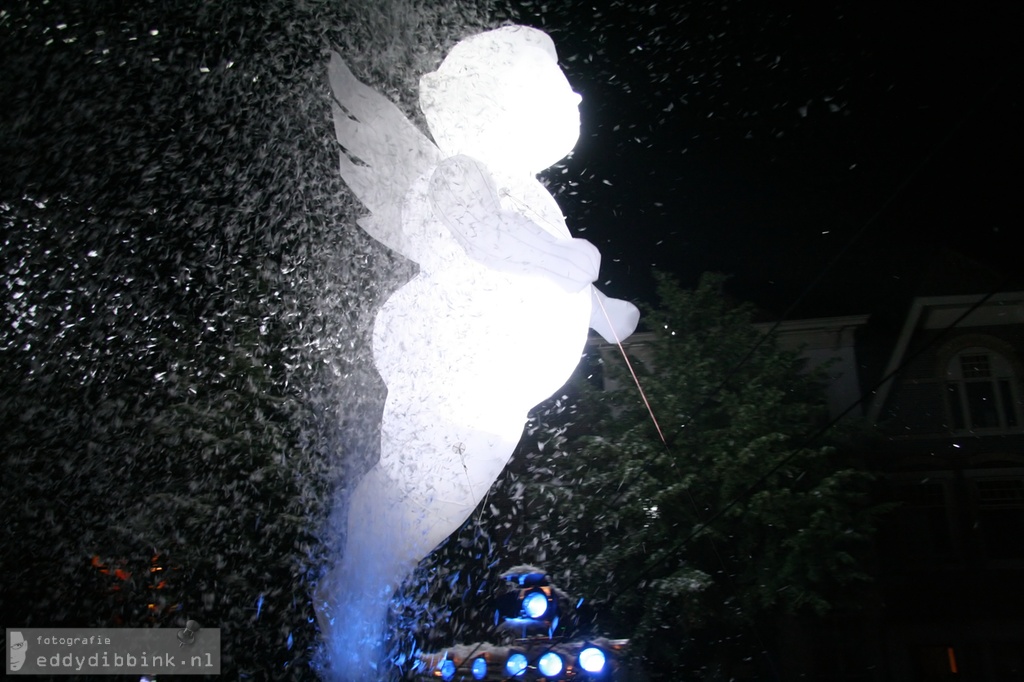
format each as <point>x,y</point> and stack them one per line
<point>944,407</point>
<point>951,421</point>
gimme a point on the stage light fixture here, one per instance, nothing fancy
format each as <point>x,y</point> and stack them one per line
<point>516,664</point>
<point>550,664</point>
<point>535,605</point>
<point>592,659</point>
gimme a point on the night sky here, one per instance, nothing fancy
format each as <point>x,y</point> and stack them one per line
<point>763,140</point>
<point>187,304</point>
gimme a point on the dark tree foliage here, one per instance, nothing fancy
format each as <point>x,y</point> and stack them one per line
<point>692,548</point>
<point>185,376</point>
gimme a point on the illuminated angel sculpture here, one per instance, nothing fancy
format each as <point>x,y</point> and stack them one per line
<point>494,322</point>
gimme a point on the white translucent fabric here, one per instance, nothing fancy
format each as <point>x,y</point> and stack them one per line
<point>498,315</point>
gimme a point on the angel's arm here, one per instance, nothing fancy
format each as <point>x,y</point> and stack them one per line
<point>613,318</point>
<point>465,198</point>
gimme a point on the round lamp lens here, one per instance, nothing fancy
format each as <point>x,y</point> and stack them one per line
<point>448,669</point>
<point>479,669</point>
<point>592,659</point>
<point>535,604</point>
<point>516,664</point>
<point>550,664</point>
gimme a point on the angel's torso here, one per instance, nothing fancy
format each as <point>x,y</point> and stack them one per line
<point>475,324</point>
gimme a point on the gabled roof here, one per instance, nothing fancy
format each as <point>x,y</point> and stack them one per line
<point>944,312</point>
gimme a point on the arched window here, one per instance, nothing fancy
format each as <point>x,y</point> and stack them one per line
<point>981,391</point>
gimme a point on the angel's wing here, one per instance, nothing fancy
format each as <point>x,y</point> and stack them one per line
<point>382,153</point>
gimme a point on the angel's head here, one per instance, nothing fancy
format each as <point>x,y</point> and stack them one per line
<point>500,97</point>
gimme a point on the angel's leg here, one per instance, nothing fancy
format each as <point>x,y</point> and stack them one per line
<point>431,476</point>
<point>378,555</point>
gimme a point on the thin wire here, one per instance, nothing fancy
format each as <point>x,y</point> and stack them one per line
<point>522,205</point>
<point>814,283</point>
<point>805,443</point>
<point>661,435</point>
<point>693,503</point>
<point>810,287</point>
<point>702,525</point>
<point>849,244</point>
<point>636,379</point>
<point>820,276</point>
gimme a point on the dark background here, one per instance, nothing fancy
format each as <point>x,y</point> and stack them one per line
<point>767,140</point>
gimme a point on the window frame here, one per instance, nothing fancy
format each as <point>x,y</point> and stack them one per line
<point>939,547</point>
<point>1011,479</point>
<point>962,399</point>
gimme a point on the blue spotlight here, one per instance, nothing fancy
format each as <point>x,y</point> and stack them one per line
<point>447,668</point>
<point>479,668</point>
<point>516,664</point>
<point>550,664</point>
<point>535,605</point>
<point>592,659</point>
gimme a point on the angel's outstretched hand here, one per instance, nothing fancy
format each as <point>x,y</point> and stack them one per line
<point>465,198</point>
<point>613,318</point>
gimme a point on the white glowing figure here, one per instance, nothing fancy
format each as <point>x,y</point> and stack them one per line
<point>494,322</point>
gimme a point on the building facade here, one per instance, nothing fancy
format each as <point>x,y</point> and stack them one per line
<point>945,414</point>
<point>949,412</point>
